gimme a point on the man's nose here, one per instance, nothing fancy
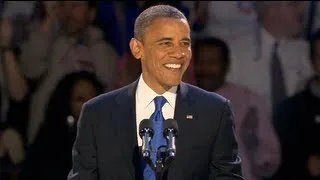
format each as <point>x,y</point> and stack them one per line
<point>178,52</point>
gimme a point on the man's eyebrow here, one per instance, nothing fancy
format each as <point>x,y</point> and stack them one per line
<point>186,39</point>
<point>164,39</point>
<point>170,39</point>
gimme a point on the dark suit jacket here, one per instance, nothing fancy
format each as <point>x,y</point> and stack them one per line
<point>106,146</point>
<point>298,131</point>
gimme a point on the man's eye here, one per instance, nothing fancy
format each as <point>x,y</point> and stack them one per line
<point>186,44</point>
<point>165,43</point>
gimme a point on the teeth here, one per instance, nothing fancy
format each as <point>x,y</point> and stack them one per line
<point>173,66</point>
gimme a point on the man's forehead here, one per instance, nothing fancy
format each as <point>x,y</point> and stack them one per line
<point>167,25</point>
<point>168,20</point>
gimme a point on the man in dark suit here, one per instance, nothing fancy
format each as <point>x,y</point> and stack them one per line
<point>107,144</point>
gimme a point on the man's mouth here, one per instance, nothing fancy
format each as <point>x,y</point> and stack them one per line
<point>173,66</point>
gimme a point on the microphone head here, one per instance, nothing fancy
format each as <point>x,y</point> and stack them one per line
<point>146,125</point>
<point>170,125</point>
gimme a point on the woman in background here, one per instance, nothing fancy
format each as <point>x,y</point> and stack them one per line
<point>50,155</point>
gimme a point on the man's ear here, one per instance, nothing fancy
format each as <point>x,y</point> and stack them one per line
<point>136,48</point>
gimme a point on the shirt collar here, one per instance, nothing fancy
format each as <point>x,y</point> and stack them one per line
<point>145,95</point>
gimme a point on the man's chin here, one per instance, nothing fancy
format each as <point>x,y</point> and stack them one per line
<point>169,84</point>
<point>173,83</point>
<point>173,80</point>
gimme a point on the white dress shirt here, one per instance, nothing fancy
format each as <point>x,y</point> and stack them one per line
<point>145,105</point>
<point>251,58</point>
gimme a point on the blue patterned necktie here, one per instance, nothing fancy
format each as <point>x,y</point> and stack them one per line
<point>158,139</point>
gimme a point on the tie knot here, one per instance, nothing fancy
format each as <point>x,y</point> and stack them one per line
<point>159,101</point>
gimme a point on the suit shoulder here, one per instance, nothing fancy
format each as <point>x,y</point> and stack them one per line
<point>205,96</point>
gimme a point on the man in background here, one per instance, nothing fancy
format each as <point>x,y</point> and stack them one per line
<point>259,147</point>
<point>273,64</point>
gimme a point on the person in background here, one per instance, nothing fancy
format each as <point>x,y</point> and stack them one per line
<point>258,145</point>
<point>49,158</point>
<point>273,64</point>
<point>78,47</point>
<point>227,19</point>
<point>14,89</point>
<point>297,121</point>
<point>19,13</point>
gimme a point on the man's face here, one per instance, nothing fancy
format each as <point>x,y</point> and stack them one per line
<point>291,16</point>
<point>209,69</point>
<point>165,52</point>
<point>76,15</point>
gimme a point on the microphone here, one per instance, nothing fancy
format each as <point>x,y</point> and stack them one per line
<point>170,132</point>
<point>146,133</point>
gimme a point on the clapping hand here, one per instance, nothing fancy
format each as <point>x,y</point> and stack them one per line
<point>11,144</point>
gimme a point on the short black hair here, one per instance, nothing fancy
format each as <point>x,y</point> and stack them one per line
<point>214,42</point>
<point>147,16</point>
<point>313,42</point>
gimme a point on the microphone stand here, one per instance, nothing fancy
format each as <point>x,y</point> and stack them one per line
<point>163,162</point>
<point>159,165</point>
<point>159,169</point>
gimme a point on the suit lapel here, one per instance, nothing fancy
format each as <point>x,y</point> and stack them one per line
<point>125,117</point>
<point>184,107</point>
<point>182,104</point>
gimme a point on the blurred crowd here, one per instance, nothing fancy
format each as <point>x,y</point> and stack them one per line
<point>262,55</point>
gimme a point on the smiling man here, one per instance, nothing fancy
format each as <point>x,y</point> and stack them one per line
<point>107,144</point>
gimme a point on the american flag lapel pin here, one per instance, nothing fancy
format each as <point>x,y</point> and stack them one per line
<point>189,117</point>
